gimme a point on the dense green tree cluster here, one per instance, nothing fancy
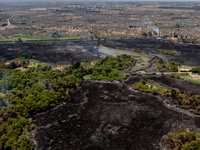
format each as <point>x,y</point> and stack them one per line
<point>108,69</point>
<point>165,65</point>
<point>186,100</point>
<point>38,88</point>
<point>14,134</point>
<point>31,91</point>
<point>183,140</point>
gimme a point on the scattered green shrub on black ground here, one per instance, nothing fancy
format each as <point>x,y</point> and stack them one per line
<point>165,65</point>
<point>186,100</point>
<point>183,99</point>
<point>164,51</point>
<point>183,140</point>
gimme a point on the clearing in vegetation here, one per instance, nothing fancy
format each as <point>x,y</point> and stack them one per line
<point>90,64</point>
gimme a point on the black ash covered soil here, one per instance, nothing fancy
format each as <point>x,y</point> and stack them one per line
<point>60,52</point>
<point>52,52</point>
<point>110,116</point>
<point>187,54</point>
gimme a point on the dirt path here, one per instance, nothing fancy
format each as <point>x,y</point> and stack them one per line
<point>6,26</point>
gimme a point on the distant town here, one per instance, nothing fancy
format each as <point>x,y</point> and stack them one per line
<point>178,22</point>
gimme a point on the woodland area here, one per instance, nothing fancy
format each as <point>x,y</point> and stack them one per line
<point>40,88</point>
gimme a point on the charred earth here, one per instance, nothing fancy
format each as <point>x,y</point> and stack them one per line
<point>111,115</point>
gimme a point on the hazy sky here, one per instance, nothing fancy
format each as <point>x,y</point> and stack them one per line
<point>92,0</point>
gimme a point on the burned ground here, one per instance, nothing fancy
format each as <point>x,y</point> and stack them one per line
<point>109,115</point>
<point>187,54</point>
<point>165,81</point>
<point>53,52</point>
<point>60,52</point>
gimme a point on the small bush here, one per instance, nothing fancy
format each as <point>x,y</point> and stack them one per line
<point>143,82</point>
<point>175,76</point>
<point>20,40</point>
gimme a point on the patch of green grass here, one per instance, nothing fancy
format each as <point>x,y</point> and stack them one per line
<point>24,38</point>
<point>187,77</point>
<point>173,41</point>
<point>187,67</point>
<point>151,87</point>
<point>90,64</point>
<point>136,55</point>
<point>2,94</point>
<point>164,51</point>
<point>87,77</point>
<point>175,76</point>
<point>140,60</point>
<point>177,26</point>
<point>111,36</point>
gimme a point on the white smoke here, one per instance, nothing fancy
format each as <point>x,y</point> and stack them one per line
<point>155,28</point>
<point>149,25</point>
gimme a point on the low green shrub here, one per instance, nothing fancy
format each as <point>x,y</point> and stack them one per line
<point>151,87</point>
<point>164,51</point>
<point>165,65</point>
<point>183,140</point>
<point>175,76</point>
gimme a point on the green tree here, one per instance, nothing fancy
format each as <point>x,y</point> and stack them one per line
<point>20,40</point>
<point>177,26</point>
